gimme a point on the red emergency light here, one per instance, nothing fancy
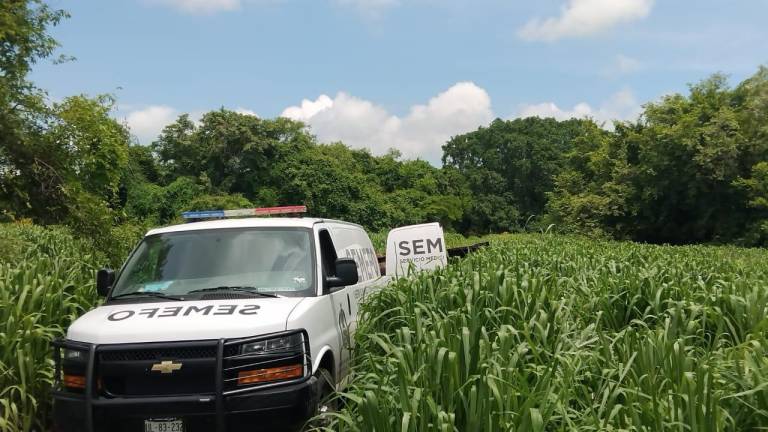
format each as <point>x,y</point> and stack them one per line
<point>262,211</point>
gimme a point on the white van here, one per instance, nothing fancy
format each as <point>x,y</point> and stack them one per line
<point>233,324</point>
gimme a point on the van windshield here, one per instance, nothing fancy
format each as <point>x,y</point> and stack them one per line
<point>191,263</point>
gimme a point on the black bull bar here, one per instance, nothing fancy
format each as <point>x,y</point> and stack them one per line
<point>91,397</point>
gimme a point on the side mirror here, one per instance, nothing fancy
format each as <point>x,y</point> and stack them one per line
<point>346,273</point>
<point>104,280</point>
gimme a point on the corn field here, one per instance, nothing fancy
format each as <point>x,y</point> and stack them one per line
<point>535,332</point>
<point>46,281</point>
<point>551,333</point>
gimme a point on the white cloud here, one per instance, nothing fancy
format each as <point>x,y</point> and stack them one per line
<point>201,6</point>
<point>585,17</point>
<point>550,109</point>
<point>421,133</point>
<point>246,111</point>
<point>147,123</point>
<point>308,108</point>
<point>620,106</point>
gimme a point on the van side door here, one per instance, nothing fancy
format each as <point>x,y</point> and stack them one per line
<point>340,302</point>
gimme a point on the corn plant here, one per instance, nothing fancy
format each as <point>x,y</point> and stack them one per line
<point>46,281</point>
<point>552,333</point>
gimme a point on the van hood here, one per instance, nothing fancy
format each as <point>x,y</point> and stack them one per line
<point>182,321</point>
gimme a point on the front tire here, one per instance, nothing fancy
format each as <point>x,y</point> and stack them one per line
<point>327,401</point>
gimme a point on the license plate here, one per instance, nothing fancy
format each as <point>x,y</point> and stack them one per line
<point>163,425</point>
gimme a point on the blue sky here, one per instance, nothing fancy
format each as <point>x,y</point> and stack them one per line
<point>406,74</point>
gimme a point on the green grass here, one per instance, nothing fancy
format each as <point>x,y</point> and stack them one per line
<point>46,281</point>
<point>541,332</point>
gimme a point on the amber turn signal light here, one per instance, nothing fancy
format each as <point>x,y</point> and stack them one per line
<point>270,374</point>
<point>74,381</point>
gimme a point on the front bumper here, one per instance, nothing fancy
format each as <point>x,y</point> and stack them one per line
<point>284,406</point>
<point>259,408</point>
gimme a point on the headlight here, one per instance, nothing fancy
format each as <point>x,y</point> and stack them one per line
<point>294,342</point>
<point>75,355</point>
<point>270,360</point>
<point>73,369</point>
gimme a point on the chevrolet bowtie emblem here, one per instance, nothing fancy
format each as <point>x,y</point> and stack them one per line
<point>166,367</point>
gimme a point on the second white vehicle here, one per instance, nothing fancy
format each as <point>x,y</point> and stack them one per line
<point>231,324</point>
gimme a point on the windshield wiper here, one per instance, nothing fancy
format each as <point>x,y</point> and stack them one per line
<point>247,289</point>
<point>146,294</point>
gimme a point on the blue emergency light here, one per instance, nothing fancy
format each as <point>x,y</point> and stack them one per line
<point>262,211</point>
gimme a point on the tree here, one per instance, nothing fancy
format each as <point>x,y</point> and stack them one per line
<point>756,190</point>
<point>589,194</point>
<point>70,172</point>
<point>683,173</point>
<point>235,151</point>
<point>92,144</point>
<point>510,167</point>
<point>23,42</point>
<point>327,179</point>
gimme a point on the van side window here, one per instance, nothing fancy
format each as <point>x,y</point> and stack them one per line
<point>327,253</point>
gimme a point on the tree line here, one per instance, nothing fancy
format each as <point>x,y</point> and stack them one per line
<point>691,168</point>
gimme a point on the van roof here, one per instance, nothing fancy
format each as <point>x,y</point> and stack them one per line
<point>256,222</point>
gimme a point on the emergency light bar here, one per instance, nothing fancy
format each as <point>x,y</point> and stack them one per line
<point>263,211</point>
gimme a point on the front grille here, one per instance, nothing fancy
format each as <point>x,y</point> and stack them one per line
<point>160,385</point>
<point>129,372</point>
<point>159,354</point>
<point>138,370</point>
